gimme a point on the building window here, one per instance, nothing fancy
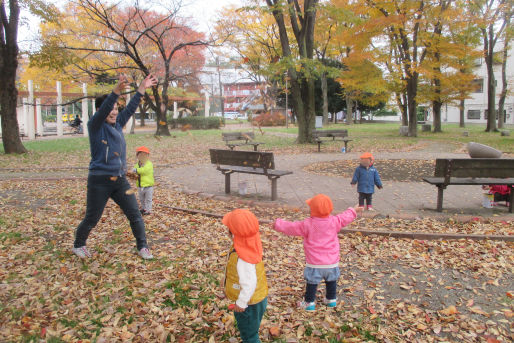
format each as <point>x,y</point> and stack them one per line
<point>479,85</point>
<point>473,114</point>
<point>486,112</point>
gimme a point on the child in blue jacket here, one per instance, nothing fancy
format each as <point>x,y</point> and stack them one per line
<point>366,177</point>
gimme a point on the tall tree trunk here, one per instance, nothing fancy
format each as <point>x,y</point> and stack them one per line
<point>402,100</point>
<point>10,129</point>
<point>436,105</point>
<point>503,94</point>
<point>302,86</point>
<point>461,114</point>
<point>488,36</point>
<point>142,114</point>
<point>324,91</point>
<point>306,122</point>
<point>8,66</point>
<point>160,113</point>
<point>412,90</point>
<point>349,106</point>
<point>436,108</point>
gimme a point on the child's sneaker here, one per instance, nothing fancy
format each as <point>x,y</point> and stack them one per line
<point>307,306</point>
<point>370,208</point>
<point>145,254</point>
<point>81,252</point>
<point>330,302</point>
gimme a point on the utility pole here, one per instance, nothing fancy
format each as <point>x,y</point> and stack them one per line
<point>221,88</point>
<point>287,107</point>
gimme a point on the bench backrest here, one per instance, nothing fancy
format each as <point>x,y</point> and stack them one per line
<point>255,159</point>
<point>474,167</point>
<point>236,136</point>
<point>329,133</point>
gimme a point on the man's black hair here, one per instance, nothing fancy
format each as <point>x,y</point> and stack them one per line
<point>99,100</point>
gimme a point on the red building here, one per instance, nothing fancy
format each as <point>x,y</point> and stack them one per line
<point>241,97</point>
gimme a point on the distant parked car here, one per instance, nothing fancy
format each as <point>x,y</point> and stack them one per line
<point>231,115</point>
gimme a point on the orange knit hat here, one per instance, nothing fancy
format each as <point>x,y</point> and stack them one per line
<point>247,241</point>
<point>142,149</point>
<point>321,206</point>
<point>367,155</point>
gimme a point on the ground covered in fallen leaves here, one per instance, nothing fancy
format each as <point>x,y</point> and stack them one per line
<point>403,170</point>
<point>390,290</point>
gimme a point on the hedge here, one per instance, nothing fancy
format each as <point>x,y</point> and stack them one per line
<point>197,122</point>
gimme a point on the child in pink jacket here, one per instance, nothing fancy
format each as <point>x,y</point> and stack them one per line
<point>321,246</point>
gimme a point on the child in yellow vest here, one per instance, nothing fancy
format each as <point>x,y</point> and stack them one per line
<point>145,180</point>
<point>245,277</point>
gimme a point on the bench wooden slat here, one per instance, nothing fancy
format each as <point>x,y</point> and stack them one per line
<point>472,171</point>
<point>317,135</point>
<point>235,136</point>
<point>475,167</point>
<point>469,181</point>
<point>242,158</point>
<point>258,171</point>
<point>249,162</point>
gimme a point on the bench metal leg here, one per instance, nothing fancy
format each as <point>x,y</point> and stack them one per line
<point>254,147</point>
<point>227,183</point>
<point>274,188</point>
<point>440,190</point>
<point>346,146</point>
<point>319,146</point>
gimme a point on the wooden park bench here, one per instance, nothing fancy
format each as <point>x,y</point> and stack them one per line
<point>233,139</point>
<point>472,171</point>
<point>317,135</point>
<point>249,162</point>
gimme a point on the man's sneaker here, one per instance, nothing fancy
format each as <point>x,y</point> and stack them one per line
<point>330,302</point>
<point>307,306</point>
<point>145,254</point>
<point>81,252</point>
<point>370,208</point>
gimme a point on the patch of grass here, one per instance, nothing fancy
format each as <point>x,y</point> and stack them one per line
<point>12,236</point>
<point>29,338</point>
<point>68,323</point>
<point>16,313</point>
<point>60,228</point>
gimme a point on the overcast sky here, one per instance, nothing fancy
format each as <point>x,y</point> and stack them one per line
<point>203,12</point>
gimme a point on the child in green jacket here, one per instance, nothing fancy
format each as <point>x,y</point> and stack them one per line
<point>145,180</point>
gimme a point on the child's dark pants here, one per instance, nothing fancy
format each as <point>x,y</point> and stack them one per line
<point>313,276</point>
<point>365,196</point>
<point>249,321</point>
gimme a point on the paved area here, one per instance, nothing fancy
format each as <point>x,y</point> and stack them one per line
<point>395,199</point>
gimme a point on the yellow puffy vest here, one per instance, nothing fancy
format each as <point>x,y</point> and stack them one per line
<point>232,287</point>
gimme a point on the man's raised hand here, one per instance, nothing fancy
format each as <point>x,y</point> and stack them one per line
<point>148,82</point>
<point>122,84</point>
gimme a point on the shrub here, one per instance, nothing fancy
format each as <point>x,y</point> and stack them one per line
<point>383,112</point>
<point>268,119</point>
<point>51,118</point>
<point>196,122</point>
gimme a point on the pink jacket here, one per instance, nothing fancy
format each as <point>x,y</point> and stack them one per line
<point>320,241</point>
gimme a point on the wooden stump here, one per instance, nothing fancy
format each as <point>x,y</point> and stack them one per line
<point>426,128</point>
<point>404,130</point>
